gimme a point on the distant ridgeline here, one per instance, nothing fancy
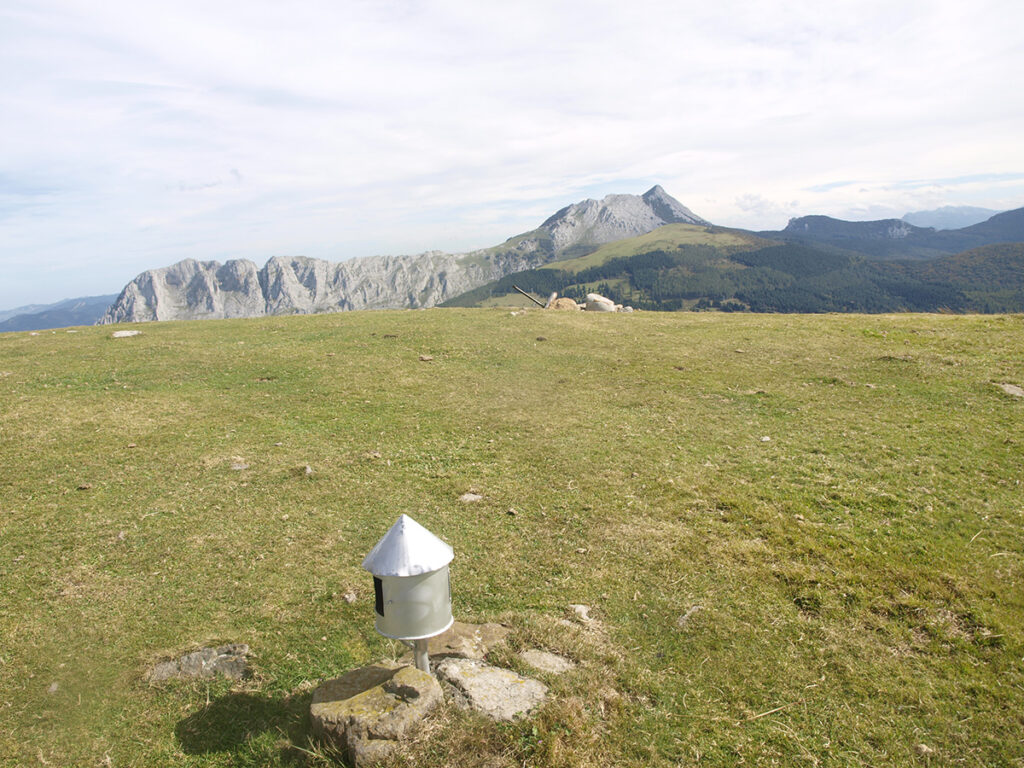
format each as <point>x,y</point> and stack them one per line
<point>788,277</point>
<point>648,251</point>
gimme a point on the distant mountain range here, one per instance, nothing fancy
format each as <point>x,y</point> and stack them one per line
<point>612,244</point>
<point>950,217</point>
<point>85,310</point>
<point>897,239</point>
<point>682,267</point>
<point>191,289</point>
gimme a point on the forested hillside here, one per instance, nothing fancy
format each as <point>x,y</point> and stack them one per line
<point>789,277</point>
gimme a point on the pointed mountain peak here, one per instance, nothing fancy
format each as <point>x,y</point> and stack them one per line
<point>668,208</point>
<point>407,549</point>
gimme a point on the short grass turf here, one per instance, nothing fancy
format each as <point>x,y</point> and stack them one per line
<point>834,503</point>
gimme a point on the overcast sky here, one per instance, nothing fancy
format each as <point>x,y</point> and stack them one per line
<point>134,133</point>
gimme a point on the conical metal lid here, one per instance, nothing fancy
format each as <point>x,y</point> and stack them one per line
<point>407,549</point>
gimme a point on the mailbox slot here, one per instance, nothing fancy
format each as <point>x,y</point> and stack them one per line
<point>378,591</point>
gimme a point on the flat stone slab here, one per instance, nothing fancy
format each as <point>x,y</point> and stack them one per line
<point>366,713</point>
<point>545,661</point>
<point>465,641</point>
<point>499,693</point>
<point>1012,389</point>
<point>227,660</point>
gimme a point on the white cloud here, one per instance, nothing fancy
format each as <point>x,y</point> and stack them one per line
<point>138,133</point>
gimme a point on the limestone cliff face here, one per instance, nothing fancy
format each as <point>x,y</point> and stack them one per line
<point>194,289</point>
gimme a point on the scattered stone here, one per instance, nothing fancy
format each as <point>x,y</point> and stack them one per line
<point>511,512</point>
<point>1012,389</point>
<point>131,445</point>
<point>304,471</point>
<point>766,439</point>
<point>542,338</point>
<point>238,463</point>
<point>426,358</point>
<point>84,486</point>
<point>349,597</point>
<point>498,693</point>
<point>683,620</point>
<point>581,550</point>
<point>582,612</point>
<point>565,304</point>
<point>924,750</point>
<point>465,641</point>
<point>54,687</point>
<point>367,712</point>
<point>124,334</point>
<point>626,309</point>
<point>598,303</point>
<point>545,661</point>
<point>469,497</point>
<point>34,333</point>
<point>121,535</point>
<point>227,660</point>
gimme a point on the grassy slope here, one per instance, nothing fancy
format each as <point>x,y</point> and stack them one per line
<point>665,238</point>
<point>859,574</point>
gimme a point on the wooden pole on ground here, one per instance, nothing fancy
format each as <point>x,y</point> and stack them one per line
<point>538,303</point>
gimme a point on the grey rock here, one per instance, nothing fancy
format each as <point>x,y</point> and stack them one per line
<point>582,612</point>
<point>368,712</point>
<point>1012,389</point>
<point>500,694</point>
<point>228,660</point>
<point>683,620</point>
<point>466,641</point>
<point>545,661</point>
<point>598,303</point>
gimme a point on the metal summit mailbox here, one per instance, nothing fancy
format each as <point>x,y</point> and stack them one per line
<point>410,581</point>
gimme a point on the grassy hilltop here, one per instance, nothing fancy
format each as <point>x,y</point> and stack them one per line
<point>859,573</point>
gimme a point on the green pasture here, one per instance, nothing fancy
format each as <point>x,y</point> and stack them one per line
<point>835,502</point>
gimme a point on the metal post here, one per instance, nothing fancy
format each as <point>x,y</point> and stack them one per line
<point>420,654</point>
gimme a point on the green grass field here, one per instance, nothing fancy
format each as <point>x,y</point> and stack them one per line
<point>859,573</point>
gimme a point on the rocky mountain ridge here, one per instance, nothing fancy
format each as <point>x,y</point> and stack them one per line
<point>194,289</point>
<point>895,239</point>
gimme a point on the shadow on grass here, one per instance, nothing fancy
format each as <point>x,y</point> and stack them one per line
<point>229,722</point>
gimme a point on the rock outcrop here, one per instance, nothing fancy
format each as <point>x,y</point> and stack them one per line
<point>499,693</point>
<point>368,712</point>
<point>227,660</point>
<point>194,289</point>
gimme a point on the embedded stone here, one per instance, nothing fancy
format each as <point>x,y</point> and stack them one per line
<point>227,660</point>
<point>367,712</point>
<point>498,693</point>
<point>545,661</point>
